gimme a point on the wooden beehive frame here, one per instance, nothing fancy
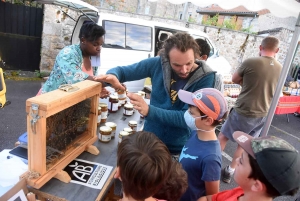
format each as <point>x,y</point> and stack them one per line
<point>38,109</point>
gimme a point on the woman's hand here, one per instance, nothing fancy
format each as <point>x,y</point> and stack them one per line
<point>111,79</point>
<point>139,103</point>
<point>104,93</point>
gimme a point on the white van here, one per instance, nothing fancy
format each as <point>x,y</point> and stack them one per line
<point>128,40</point>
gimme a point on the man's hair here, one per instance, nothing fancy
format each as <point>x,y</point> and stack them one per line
<point>91,31</point>
<point>270,43</point>
<point>256,173</point>
<point>144,163</point>
<point>182,41</point>
<point>203,47</point>
<point>176,184</point>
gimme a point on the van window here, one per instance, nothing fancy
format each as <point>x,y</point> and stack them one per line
<point>127,36</point>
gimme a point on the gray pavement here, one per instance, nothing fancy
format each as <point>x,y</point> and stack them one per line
<point>13,123</point>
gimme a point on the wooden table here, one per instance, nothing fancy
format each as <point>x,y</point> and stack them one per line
<point>107,156</point>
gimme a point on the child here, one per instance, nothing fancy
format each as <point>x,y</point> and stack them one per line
<point>175,185</point>
<point>269,167</point>
<point>143,165</point>
<point>201,156</point>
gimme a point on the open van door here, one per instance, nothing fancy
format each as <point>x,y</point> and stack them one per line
<point>76,5</point>
<point>87,10</point>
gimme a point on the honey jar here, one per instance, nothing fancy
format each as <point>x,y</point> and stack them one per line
<point>105,134</point>
<point>128,130</point>
<point>113,103</point>
<point>122,134</point>
<point>113,127</point>
<point>128,110</point>
<point>121,94</point>
<point>133,126</point>
<point>122,101</point>
<point>104,112</point>
<point>99,116</point>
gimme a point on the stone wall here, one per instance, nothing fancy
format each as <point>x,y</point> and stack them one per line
<point>233,45</point>
<point>57,31</point>
<point>269,21</point>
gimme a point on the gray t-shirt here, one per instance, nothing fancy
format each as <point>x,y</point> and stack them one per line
<point>260,77</point>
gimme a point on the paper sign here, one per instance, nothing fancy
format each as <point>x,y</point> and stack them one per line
<point>95,60</point>
<point>87,173</point>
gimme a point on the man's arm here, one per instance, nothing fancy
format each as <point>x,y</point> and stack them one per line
<point>134,71</point>
<point>237,79</point>
<point>205,198</point>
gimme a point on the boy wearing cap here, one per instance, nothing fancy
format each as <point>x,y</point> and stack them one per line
<point>201,156</point>
<point>269,167</point>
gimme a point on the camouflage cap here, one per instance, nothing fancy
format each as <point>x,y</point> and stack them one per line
<point>278,160</point>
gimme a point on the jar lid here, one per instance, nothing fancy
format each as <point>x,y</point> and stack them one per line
<point>128,105</point>
<point>102,104</point>
<point>127,130</point>
<point>110,124</point>
<point>121,92</point>
<point>133,122</point>
<point>124,133</point>
<point>105,129</point>
<point>141,92</point>
<point>113,97</point>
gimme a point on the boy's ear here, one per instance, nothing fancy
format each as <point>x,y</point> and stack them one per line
<point>209,121</point>
<point>258,186</point>
<point>117,174</point>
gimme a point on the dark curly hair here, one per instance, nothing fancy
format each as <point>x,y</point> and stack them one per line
<point>91,31</point>
<point>203,47</point>
<point>182,41</point>
<point>175,185</point>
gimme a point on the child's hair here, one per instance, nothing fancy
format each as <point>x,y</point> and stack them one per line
<point>216,122</point>
<point>256,173</point>
<point>176,184</point>
<point>203,47</point>
<point>144,163</point>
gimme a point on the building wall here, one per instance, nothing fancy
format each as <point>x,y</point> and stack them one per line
<point>235,46</point>
<point>268,21</point>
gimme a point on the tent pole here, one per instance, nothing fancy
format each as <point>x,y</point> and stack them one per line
<point>282,78</point>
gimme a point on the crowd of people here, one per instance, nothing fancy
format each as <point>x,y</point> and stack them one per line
<point>177,156</point>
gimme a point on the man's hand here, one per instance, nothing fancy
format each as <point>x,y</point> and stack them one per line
<point>111,79</point>
<point>139,103</point>
<point>104,93</point>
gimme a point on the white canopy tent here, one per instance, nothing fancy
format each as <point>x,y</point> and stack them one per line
<point>279,8</point>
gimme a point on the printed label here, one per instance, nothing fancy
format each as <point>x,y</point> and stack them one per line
<point>122,96</point>
<point>115,106</point>
<point>128,112</point>
<point>104,115</point>
<point>113,133</point>
<point>87,173</point>
<point>104,138</point>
